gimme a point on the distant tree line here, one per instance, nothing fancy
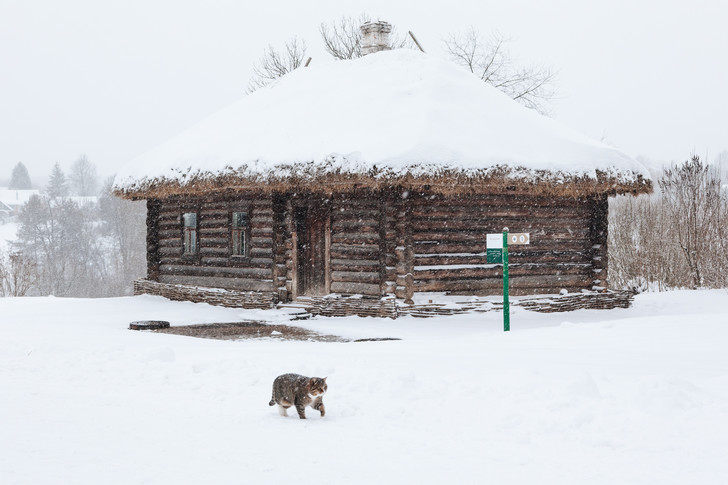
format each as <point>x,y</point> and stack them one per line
<point>82,181</point>
<point>66,246</point>
<point>676,237</point>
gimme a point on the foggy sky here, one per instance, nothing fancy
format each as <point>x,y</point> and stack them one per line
<point>114,79</point>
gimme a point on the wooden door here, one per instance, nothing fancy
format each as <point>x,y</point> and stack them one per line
<point>312,241</point>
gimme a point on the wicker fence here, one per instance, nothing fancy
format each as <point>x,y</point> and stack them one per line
<point>339,306</point>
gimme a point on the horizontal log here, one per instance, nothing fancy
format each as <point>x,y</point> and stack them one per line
<point>348,262</point>
<point>215,251</point>
<point>356,276</point>
<point>241,284</point>
<point>348,288</point>
<point>489,271</point>
<point>515,257</point>
<point>497,224</point>
<point>355,214</point>
<point>235,261</point>
<point>428,233</point>
<point>260,216</point>
<point>170,233</point>
<point>355,238</point>
<point>357,226</point>
<point>261,231</point>
<point>215,231</point>
<point>239,203</point>
<point>355,250</point>
<point>170,251</point>
<point>261,252</point>
<point>502,200</point>
<point>261,242</point>
<point>214,241</point>
<point>362,268</point>
<point>229,272</point>
<point>169,224</point>
<point>476,212</point>
<point>214,261</point>
<point>170,242</point>
<point>543,283</point>
<point>169,215</point>
<point>434,247</point>
<point>355,201</point>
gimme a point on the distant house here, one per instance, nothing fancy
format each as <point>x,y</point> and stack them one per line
<point>15,199</point>
<point>377,177</point>
<point>5,212</point>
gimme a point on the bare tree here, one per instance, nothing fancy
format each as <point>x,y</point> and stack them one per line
<point>676,238</point>
<point>489,59</point>
<point>692,193</point>
<point>123,225</point>
<point>84,180</point>
<point>342,38</point>
<point>274,64</point>
<point>18,274</point>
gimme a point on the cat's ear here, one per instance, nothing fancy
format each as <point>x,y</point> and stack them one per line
<point>326,378</point>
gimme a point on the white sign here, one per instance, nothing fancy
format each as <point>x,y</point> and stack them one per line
<point>493,241</point>
<point>519,238</point>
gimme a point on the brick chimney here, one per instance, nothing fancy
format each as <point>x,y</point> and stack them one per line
<point>375,37</point>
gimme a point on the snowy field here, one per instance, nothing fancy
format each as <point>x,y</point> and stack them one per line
<point>8,234</point>
<point>637,396</point>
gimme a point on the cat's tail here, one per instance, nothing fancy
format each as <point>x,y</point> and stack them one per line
<point>272,402</point>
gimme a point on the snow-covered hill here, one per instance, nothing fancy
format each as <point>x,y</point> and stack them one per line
<point>598,397</point>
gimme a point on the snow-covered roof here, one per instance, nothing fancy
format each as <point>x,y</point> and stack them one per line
<point>16,197</point>
<point>393,113</point>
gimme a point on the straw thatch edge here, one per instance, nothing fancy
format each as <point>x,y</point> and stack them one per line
<point>330,178</point>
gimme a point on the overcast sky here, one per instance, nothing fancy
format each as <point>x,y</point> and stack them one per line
<point>113,79</point>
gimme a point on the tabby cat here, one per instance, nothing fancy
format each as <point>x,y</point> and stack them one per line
<point>300,391</point>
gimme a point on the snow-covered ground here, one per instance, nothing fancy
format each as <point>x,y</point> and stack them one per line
<point>8,234</point>
<point>636,396</point>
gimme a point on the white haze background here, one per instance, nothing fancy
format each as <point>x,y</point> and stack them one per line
<point>115,79</point>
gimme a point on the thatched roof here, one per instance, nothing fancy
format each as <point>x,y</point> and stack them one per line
<point>398,118</point>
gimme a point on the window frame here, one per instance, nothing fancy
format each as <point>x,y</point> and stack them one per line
<point>243,231</point>
<point>247,246</point>
<point>195,255</point>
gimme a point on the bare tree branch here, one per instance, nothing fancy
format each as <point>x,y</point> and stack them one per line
<point>488,58</point>
<point>274,64</point>
<point>342,38</point>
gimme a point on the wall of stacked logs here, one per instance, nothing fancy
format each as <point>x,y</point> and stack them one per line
<point>567,249</point>
<point>389,243</point>
<point>213,265</point>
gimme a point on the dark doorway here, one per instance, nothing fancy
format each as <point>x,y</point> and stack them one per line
<point>312,235</point>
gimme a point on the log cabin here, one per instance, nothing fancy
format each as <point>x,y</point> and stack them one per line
<point>376,178</point>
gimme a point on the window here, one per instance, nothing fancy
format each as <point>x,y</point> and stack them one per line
<point>190,232</point>
<point>238,227</point>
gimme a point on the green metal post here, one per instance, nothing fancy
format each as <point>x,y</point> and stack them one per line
<point>506,303</point>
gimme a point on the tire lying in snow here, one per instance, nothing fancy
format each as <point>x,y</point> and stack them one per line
<point>148,325</point>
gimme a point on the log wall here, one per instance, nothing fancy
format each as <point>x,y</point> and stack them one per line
<point>384,244</point>
<point>568,243</point>
<point>358,258</point>
<point>213,266</point>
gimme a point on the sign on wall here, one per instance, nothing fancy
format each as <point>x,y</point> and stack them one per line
<point>494,248</point>
<point>518,238</point>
